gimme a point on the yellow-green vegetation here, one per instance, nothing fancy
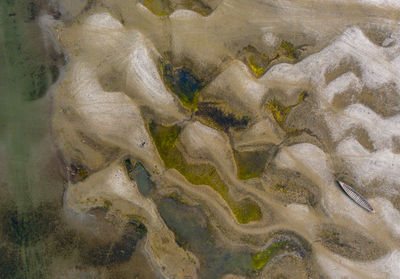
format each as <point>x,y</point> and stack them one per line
<point>166,7</point>
<point>195,5</point>
<point>158,7</point>
<point>83,173</point>
<point>246,210</point>
<point>287,49</point>
<point>183,83</point>
<point>261,259</point>
<point>250,164</point>
<point>280,113</point>
<point>199,174</point>
<point>258,62</point>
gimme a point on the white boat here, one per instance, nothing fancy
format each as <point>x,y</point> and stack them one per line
<point>356,197</point>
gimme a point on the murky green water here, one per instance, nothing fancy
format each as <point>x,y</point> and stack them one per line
<point>193,232</point>
<point>31,180</point>
<point>24,115</point>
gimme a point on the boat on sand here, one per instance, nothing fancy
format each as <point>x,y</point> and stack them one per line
<point>356,197</point>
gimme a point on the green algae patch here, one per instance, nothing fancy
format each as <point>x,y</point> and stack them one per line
<point>164,138</point>
<point>282,243</point>
<point>246,211</point>
<point>199,174</point>
<point>183,83</point>
<point>261,259</point>
<point>220,116</point>
<point>250,164</point>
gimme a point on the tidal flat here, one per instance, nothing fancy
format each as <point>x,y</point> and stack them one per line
<point>199,139</point>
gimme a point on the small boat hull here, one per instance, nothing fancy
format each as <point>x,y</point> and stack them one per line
<point>356,197</point>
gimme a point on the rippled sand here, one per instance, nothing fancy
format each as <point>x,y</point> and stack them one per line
<point>221,128</point>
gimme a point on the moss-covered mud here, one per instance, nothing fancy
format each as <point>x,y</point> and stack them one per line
<point>165,139</point>
<point>250,164</point>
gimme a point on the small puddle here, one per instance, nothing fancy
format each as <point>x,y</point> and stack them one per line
<point>143,181</point>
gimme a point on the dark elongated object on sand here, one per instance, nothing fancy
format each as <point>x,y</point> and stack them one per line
<point>356,196</point>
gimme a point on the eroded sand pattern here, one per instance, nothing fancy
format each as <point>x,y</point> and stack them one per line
<point>221,127</point>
